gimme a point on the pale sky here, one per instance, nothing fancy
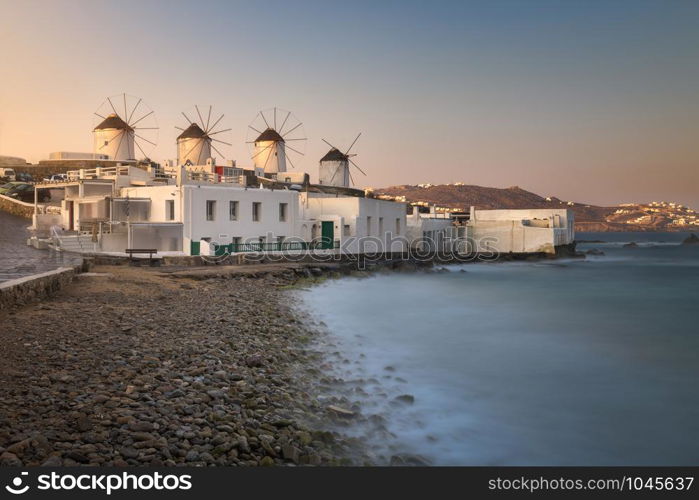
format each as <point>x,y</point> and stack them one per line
<point>592,101</point>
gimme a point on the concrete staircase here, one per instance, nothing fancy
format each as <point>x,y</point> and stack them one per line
<point>77,243</point>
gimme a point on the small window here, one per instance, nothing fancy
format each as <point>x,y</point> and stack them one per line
<point>170,209</point>
<point>368,225</point>
<point>346,230</point>
<point>282,211</point>
<point>280,239</point>
<point>398,225</point>
<point>210,210</point>
<point>233,210</point>
<point>380,226</point>
<point>256,211</point>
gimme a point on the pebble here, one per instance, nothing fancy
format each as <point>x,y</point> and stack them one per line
<point>150,369</point>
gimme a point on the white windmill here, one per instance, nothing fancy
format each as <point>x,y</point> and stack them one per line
<point>124,123</point>
<point>195,142</point>
<point>335,166</point>
<point>273,129</point>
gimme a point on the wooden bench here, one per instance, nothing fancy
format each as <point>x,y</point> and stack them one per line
<point>149,251</point>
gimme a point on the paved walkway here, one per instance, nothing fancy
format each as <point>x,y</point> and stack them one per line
<point>17,259</point>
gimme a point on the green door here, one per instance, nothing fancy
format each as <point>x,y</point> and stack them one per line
<point>194,248</point>
<point>327,234</point>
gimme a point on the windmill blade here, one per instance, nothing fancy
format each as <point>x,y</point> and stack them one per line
<point>201,150</point>
<point>196,143</point>
<point>288,114</point>
<point>326,142</point>
<point>126,112</point>
<point>216,122</point>
<point>201,120</point>
<point>144,116</point>
<point>294,150</point>
<point>103,117</point>
<point>140,148</point>
<point>220,131</point>
<point>262,150</point>
<point>222,142</point>
<point>250,126</point>
<point>356,166</point>
<point>146,128</point>
<point>133,111</point>
<point>353,143</point>
<point>112,105</point>
<point>208,118</point>
<point>287,140</point>
<point>187,118</point>
<point>265,119</point>
<point>268,156</point>
<point>214,148</point>
<point>291,162</point>
<point>333,177</point>
<point>351,178</point>
<point>144,139</point>
<point>121,138</point>
<point>110,140</point>
<point>292,129</point>
<point>179,128</point>
<point>275,118</point>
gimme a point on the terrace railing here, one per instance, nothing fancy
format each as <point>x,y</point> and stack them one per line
<point>95,173</point>
<point>277,246</point>
<point>198,176</point>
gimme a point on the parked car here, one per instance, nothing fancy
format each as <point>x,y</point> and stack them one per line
<point>56,177</point>
<point>25,192</point>
<point>6,187</point>
<point>24,177</point>
<point>8,173</point>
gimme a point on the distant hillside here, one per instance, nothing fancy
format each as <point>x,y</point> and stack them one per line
<point>633,217</point>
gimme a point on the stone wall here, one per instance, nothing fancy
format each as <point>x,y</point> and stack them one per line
<point>28,289</point>
<point>16,207</point>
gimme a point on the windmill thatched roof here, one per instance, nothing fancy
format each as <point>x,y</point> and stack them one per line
<point>194,131</point>
<point>270,135</point>
<point>334,155</point>
<point>113,121</point>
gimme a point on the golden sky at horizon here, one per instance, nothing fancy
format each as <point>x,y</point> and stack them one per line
<point>594,104</point>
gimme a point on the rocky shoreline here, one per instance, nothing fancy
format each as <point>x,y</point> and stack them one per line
<point>202,366</point>
<point>141,366</point>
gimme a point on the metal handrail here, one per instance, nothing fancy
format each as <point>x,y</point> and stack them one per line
<point>276,246</point>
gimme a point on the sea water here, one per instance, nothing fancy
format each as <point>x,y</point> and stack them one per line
<point>562,362</point>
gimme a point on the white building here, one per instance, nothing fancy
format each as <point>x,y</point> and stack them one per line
<point>492,231</point>
<point>334,169</point>
<point>71,155</point>
<point>193,146</point>
<point>429,231</point>
<point>190,213</point>
<point>270,152</point>
<point>115,138</point>
<point>520,231</point>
